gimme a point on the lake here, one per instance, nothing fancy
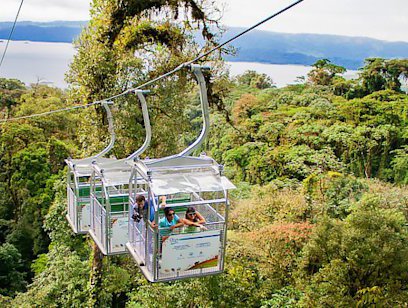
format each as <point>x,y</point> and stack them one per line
<point>33,62</point>
<point>46,63</point>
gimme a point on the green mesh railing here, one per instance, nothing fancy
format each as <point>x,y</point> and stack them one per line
<point>178,210</point>
<point>85,191</point>
<point>117,203</point>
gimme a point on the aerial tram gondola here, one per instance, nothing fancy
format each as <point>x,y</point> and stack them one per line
<point>185,181</point>
<point>109,196</point>
<point>78,182</point>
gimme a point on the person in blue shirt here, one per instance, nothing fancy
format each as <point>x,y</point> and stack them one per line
<point>170,221</point>
<point>142,209</point>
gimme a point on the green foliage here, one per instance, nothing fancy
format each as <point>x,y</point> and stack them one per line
<point>242,191</point>
<point>31,170</point>
<point>254,79</point>
<point>291,133</point>
<point>11,270</point>
<point>11,84</point>
<point>63,283</point>
<point>40,264</point>
<point>22,237</point>
<point>32,154</point>
<point>399,165</point>
<point>324,72</point>
<point>116,282</point>
<point>365,250</point>
<point>10,93</point>
<point>238,287</point>
<point>31,182</point>
<point>370,297</point>
<point>335,190</point>
<point>379,74</point>
<point>285,297</point>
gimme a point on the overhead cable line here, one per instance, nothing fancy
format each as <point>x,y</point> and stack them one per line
<point>244,32</point>
<point>178,68</point>
<point>11,33</point>
<point>51,112</point>
<point>63,109</point>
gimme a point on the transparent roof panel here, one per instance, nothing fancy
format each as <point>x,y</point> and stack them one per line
<point>115,173</point>
<point>183,174</point>
<point>172,183</point>
<point>174,164</point>
<point>119,164</point>
<point>179,161</point>
<point>83,167</point>
<point>227,183</point>
<point>114,178</point>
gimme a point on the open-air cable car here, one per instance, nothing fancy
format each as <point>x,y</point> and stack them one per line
<point>109,197</point>
<point>186,182</point>
<point>78,182</point>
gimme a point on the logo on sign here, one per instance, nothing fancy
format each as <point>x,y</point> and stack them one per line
<point>173,240</point>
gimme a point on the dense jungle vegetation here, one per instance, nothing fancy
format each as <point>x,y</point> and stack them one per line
<point>321,211</point>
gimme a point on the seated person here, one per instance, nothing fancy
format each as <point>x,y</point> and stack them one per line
<point>170,221</point>
<point>194,220</point>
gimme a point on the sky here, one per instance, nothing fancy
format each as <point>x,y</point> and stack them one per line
<point>385,20</point>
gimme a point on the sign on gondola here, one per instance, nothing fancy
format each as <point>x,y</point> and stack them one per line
<point>183,252</point>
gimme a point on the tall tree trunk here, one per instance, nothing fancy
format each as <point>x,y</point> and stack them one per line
<point>368,165</point>
<point>95,277</point>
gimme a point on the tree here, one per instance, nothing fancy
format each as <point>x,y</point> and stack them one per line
<point>10,92</point>
<point>31,154</point>
<point>324,72</point>
<point>244,108</point>
<point>254,79</point>
<point>367,249</point>
<point>129,42</point>
<point>399,165</point>
<point>11,270</point>
<point>380,74</point>
<point>62,284</point>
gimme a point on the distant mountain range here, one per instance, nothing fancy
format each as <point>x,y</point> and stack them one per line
<point>55,31</point>
<point>256,46</point>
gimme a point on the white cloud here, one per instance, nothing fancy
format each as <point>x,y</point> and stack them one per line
<point>45,10</point>
<point>387,20</point>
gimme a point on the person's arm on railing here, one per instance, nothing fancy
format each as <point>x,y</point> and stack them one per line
<point>192,223</point>
<point>201,219</point>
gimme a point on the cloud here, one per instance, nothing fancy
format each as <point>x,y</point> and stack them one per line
<point>380,19</point>
<point>45,10</point>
